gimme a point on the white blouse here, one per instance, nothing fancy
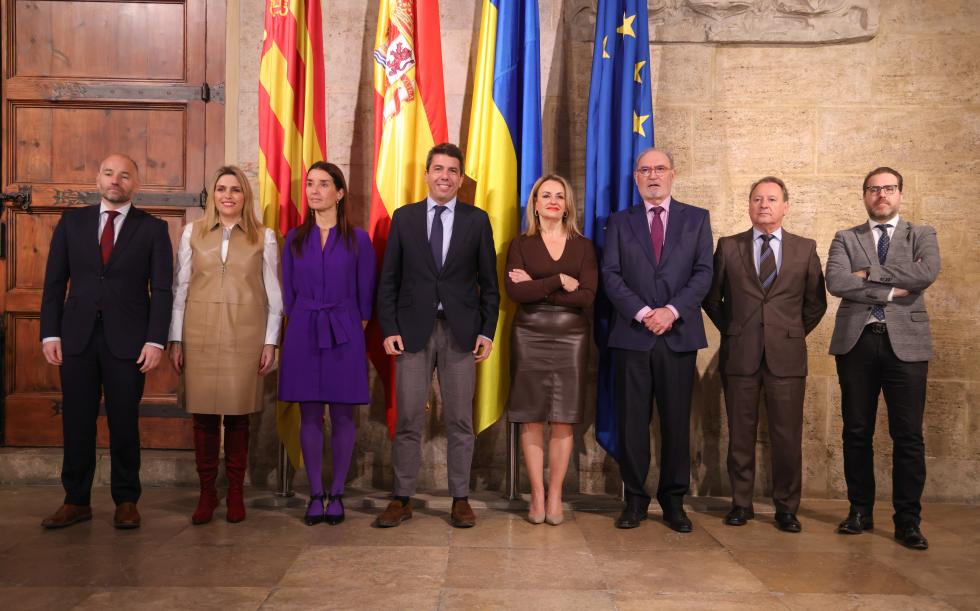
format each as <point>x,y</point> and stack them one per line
<point>270,278</point>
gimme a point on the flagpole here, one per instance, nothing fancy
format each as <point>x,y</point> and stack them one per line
<point>512,473</point>
<point>283,497</point>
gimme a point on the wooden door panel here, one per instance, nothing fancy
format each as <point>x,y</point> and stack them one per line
<point>42,51</point>
<point>44,378</point>
<point>36,421</point>
<point>82,79</point>
<point>60,144</point>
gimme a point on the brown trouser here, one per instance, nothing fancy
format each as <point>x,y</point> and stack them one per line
<point>784,405</point>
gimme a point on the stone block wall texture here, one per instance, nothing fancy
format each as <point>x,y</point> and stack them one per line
<point>818,115</point>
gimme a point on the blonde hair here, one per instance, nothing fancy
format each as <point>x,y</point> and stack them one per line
<point>569,221</point>
<point>249,221</point>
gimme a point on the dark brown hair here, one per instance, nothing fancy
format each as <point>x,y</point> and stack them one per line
<point>446,148</point>
<point>882,170</point>
<point>343,224</point>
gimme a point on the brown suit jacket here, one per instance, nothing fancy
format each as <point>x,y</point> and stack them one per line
<point>754,323</point>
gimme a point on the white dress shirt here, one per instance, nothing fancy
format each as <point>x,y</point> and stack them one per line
<point>270,278</point>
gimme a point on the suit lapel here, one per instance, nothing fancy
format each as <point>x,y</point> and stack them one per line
<point>90,234</point>
<point>675,222</point>
<point>129,227</point>
<point>899,242</point>
<point>789,251</point>
<point>461,224</point>
<point>641,230</point>
<point>867,241</point>
<point>417,227</point>
<point>747,255</point>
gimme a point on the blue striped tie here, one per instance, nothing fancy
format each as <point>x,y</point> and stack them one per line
<point>878,311</point>
<point>767,263</point>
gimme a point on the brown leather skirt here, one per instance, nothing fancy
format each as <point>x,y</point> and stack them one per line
<point>548,363</point>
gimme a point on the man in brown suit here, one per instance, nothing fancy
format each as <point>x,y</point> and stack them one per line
<point>767,294</point>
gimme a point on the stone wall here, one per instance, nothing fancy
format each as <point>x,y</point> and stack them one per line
<point>818,115</point>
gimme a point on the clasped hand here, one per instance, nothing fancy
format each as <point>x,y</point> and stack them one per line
<point>659,320</point>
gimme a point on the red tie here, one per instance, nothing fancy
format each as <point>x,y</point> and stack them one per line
<point>657,232</point>
<point>108,235</point>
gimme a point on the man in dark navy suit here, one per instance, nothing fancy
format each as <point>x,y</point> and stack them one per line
<point>656,269</point>
<point>106,335</point>
<point>437,305</point>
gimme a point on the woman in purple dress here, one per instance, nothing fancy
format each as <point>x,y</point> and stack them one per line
<point>328,278</point>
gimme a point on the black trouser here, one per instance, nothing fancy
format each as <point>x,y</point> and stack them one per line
<point>668,377</point>
<point>868,369</point>
<point>84,377</point>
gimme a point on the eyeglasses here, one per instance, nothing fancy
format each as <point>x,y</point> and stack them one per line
<point>886,189</point>
<point>659,170</point>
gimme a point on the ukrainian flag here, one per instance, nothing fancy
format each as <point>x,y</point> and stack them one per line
<point>504,159</point>
<point>620,126</point>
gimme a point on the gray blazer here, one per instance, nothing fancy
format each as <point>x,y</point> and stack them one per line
<point>912,264</point>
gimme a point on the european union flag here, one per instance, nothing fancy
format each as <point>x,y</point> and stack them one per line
<point>620,127</point>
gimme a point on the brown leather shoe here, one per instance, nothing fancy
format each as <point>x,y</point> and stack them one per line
<point>68,515</point>
<point>127,516</point>
<point>394,514</point>
<point>462,515</point>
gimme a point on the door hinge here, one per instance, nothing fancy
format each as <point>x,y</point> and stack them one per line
<point>213,93</point>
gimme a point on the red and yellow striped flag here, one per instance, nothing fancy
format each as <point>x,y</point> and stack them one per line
<point>409,119</point>
<point>292,133</point>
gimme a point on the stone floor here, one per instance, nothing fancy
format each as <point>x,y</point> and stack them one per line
<point>273,561</point>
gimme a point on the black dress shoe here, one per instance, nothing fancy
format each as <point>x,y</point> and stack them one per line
<point>739,516</point>
<point>911,537</point>
<point>855,524</point>
<point>679,522</point>
<point>630,518</point>
<point>787,522</point>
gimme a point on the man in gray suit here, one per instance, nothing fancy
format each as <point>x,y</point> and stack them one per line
<point>880,270</point>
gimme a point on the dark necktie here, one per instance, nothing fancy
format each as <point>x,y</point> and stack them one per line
<point>878,311</point>
<point>108,235</point>
<point>435,237</point>
<point>767,263</point>
<point>657,232</point>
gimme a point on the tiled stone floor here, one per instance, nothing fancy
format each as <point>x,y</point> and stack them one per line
<point>273,561</point>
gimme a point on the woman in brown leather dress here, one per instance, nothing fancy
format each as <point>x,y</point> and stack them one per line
<point>552,274</point>
<point>223,331</point>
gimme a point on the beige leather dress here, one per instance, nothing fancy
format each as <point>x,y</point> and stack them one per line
<point>224,325</point>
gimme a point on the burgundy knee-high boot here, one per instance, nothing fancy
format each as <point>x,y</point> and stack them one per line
<point>236,462</point>
<point>207,444</point>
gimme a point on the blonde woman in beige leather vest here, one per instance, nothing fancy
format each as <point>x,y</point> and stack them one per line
<point>224,330</point>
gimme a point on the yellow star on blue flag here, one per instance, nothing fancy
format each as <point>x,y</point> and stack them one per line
<point>627,28</point>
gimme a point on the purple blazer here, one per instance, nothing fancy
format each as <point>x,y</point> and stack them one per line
<point>326,294</point>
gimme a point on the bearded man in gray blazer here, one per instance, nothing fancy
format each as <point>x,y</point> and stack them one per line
<point>880,270</point>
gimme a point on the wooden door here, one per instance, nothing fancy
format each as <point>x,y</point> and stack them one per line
<point>82,79</point>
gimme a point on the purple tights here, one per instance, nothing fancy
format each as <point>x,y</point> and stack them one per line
<point>342,436</point>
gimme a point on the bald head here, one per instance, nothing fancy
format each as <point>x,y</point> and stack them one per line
<point>118,180</point>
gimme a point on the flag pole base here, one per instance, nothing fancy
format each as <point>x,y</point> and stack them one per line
<point>283,497</point>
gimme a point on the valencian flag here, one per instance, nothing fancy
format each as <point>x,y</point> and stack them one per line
<point>503,156</point>
<point>409,119</point>
<point>292,133</point>
<point>620,126</point>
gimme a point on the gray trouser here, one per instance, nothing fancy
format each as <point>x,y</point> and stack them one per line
<point>457,382</point>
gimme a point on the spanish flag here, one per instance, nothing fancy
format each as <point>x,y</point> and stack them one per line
<point>504,159</point>
<point>409,119</point>
<point>292,133</point>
